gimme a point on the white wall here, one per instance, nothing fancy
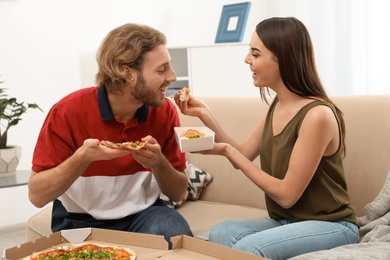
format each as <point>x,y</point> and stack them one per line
<point>15,208</point>
<point>47,50</point>
<point>47,47</point>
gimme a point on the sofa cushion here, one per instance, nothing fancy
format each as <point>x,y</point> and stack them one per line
<point>197,180</point>
<point>203,215</point>
<point>39,225</point>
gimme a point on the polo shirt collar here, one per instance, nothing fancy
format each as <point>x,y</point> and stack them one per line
<point>106,112</point>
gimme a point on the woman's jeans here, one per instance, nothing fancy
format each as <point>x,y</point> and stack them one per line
<point>282,239</point>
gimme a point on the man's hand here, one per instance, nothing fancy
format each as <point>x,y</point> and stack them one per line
<point>171,182</point>
<point>149,156</point>
<point>94,151</point>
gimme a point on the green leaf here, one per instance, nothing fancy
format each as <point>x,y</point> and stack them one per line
<point>11,112</point>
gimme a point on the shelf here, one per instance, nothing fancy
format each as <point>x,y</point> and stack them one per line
<point>179,61</point>
<point>213,70</point>
<point>14,179</point>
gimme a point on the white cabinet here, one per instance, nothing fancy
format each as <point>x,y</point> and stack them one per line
<point>214,70</point>
<point>181,64</point>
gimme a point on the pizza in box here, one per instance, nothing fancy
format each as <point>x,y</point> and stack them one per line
<point>85,251</point>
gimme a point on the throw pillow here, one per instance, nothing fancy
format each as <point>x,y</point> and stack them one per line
<point>375,224</point>
<point>197,180</point>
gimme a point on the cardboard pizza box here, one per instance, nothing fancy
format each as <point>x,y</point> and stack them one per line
<point>144,245</point>
<point>185,247</point>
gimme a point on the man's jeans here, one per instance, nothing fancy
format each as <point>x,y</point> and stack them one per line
<point>283,239</point>
<point>158,219</point>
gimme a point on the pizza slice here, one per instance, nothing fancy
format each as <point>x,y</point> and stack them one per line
<point>56,253</point>
<point>125,145</point>
<point>192,133</point>
<point>86,251</point>
<point>185,94</point>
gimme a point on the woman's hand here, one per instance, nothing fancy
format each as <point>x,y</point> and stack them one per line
<point>218,149</point>
<point>192,107</point>
<point>223,149</point>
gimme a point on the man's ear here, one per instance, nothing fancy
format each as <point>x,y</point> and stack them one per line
<point>130,72</point>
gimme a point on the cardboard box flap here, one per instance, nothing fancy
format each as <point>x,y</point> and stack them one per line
<point>210,249</point>
<point>28,248</point>
<point>76,235</point>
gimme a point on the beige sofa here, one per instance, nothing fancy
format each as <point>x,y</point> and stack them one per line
<point>231,195</point>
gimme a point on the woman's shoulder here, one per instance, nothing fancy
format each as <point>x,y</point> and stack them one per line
<point>320,118</point>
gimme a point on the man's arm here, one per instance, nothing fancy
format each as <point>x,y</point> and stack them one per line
<point>172,183</point>
<point>45,186</point>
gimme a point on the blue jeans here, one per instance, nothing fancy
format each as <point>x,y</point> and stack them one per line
<point>283,239</point>
<point>158,219</point>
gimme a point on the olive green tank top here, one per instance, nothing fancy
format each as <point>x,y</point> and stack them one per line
<point>326,197</point>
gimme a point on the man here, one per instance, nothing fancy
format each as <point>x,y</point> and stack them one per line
<point>96,186</point>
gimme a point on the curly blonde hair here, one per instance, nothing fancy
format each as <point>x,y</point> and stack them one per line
<point>125,45</point>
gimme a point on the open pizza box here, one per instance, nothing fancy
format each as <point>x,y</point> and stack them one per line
<point>148,246</point>
<point>145,246</point>
<point>185,247</point>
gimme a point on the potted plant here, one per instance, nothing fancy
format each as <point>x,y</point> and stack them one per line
<point>11,111</point>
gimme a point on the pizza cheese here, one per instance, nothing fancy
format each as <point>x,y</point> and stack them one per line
<point>85,252</point>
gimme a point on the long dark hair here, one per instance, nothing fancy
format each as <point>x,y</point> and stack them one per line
<point>289,40</point>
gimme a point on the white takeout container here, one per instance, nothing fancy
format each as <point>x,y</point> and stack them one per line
<point>196,144</point>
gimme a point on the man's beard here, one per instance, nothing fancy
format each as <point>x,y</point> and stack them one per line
<point>147,96</point>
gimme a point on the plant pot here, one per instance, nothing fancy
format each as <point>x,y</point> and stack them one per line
<point>9,158</point>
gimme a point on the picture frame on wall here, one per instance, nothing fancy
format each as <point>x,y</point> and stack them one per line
<point>232,22</point>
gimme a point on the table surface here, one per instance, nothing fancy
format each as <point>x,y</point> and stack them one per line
<point>17,178</point>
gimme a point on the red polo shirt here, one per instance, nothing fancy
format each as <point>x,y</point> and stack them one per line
<point>86,113</point>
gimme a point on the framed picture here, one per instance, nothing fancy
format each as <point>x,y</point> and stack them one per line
<point>232,23</point>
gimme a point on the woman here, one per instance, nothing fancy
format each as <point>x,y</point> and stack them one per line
<point>301,144</point>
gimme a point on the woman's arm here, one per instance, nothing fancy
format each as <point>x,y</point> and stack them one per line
<point>195,107</point>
